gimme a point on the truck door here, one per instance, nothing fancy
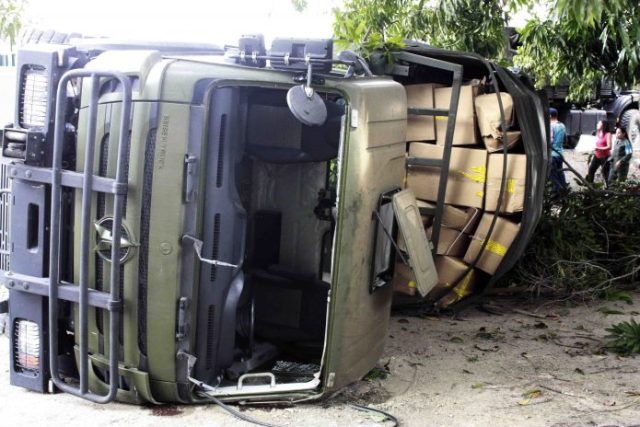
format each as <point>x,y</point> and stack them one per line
<point>372,162</point>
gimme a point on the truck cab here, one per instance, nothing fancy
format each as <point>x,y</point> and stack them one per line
<point>186,220</point>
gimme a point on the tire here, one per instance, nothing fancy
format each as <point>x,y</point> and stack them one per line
<point>630,120</point>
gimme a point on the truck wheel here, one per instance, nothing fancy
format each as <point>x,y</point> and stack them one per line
<point>630,120</point>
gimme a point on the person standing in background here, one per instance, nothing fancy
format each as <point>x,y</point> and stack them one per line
<point>558,133</point>
<point>601,153</point>
<point>622,152</point>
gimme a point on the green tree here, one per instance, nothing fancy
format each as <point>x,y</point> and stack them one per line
<point>583,41</point>
<point>11,13</point>
<point>369,25</point>
<point>469,25</point>
<point>579,41</point>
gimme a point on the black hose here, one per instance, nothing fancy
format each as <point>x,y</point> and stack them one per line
<point>390,417</point>
<point>252,420</point>
<point>235,413</point>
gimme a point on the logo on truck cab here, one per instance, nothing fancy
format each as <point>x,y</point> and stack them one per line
<point>104,229</point>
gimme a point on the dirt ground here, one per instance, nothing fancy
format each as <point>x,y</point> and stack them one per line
<point>516,364</point>
<point>505,363</point>
<point>580,162</point>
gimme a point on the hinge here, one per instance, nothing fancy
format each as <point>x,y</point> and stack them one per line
<point>189,178</point>
<point>354,118</point>
<point>331,378</point>
<point>183,322</point>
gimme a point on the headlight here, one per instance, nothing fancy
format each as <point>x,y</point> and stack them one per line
<point>34,97</point>
<point>26,350</point>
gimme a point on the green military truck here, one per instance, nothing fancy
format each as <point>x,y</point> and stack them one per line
<point>185,221</point>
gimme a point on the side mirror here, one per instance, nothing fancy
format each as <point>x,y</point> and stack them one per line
<point>305,104</point>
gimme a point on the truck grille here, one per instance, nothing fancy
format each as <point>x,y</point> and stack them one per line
<point>145,218</point>
<point>33,97</point>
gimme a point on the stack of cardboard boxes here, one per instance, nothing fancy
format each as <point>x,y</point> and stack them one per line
<point>473,188</point>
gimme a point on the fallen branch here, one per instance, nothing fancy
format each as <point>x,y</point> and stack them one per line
<point>561,392</point>
<point>535,402</point>
<point>527,313</point>
<point>557,342</point>
<point>618,408</point>
<point>614,368</point>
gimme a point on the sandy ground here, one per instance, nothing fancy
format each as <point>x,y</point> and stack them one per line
<point>580,162</point>
<point>540,365</point>
<point>545,368</point>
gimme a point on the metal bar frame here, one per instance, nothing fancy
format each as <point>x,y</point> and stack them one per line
<point>424,163</point>
<point>68,178</point>
<point>66,291</point>
<point>456,70</point>
<point>118,188</point>
<point>437,112</point>
<point>493,72</point>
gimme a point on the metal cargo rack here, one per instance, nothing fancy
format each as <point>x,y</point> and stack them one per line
<point>451,113</point>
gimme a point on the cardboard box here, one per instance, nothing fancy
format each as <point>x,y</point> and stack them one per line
<point>496,144</point>
<point>499,242</point>
<point>465,129</point>
<point>488,113</point>
<point>451,242</point>
<point>461,219</point>
<point>404,281</point>
<point>420,128</point>
<point>450,271</point>
<point>467,175</point>
<point>513,196</point>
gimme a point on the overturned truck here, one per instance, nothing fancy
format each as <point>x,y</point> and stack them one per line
<point>183,221</point>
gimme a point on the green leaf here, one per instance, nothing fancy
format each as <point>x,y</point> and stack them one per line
<point>624,337</point>
<point>615,295</point>
<point>532,394</point>
<point>299,5</point>
<point>377,373</point>
<point>607,311</point>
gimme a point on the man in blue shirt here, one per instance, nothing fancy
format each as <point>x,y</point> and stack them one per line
<point>558,133</point>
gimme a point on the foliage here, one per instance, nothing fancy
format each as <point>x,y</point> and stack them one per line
<point>11,12</point>
<point>578,41</point>
<point>585,245</point>
<point>624,337</point>
<point>299,5</point>
<point>581,42</point>
<point>466,25</point>
<point>369,25</point>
